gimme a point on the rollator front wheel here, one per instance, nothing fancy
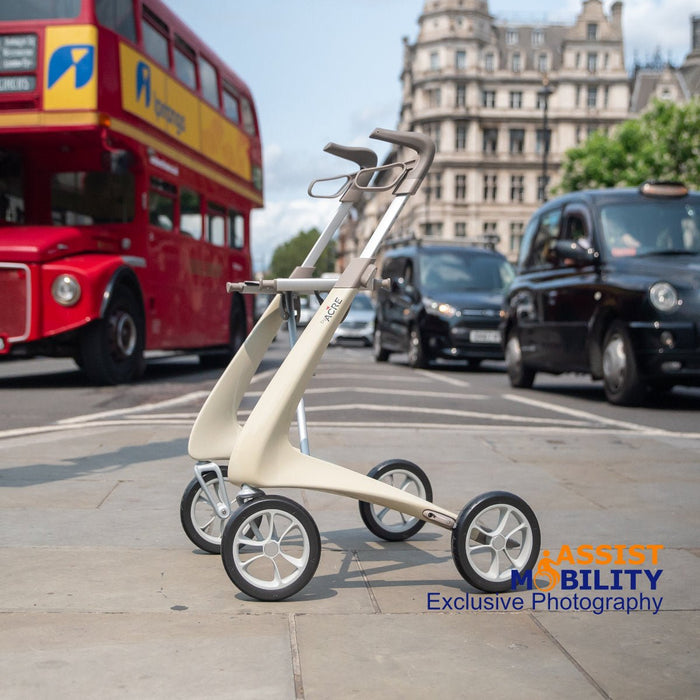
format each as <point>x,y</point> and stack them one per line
<point>270,548</point>
<point>495,533</point>
<point>199,520</point>
<point>390,524</point>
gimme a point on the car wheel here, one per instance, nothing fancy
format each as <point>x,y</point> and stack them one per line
<point>416,354</point>
<point>620,374</point>
<point>520,375</point>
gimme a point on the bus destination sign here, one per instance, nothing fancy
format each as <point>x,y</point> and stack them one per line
<point>17,52</point>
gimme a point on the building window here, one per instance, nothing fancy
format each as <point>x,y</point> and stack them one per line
<point>606,96</point>
<point>432,229</point>
<point>592,98</point>
<point>537,37</point>
<point>516,236</point>
<point>517,140</point>
<point>592,62</point>
<point>434,61</point>
<point>490,229</point>
<point>517,188</point>
<point>460,229</point>
<point>461,136</point>
<point>542,140</point>
<point>460,60</point>
<point>490,188</point>
<point>515,63</point>
<point>578,95</point>
<point>542,186</point>
<point>460,187</point>
<point>489,63</point>
<point>516,99</point>
<point>433,130</point>
<point>490,143</point>
<point>488,98</point>
<point>512,36</point>
<point>434,96</point>
<point>578,60</point>
<point>461,98</point>
<point>542,63</point>
<point>592,31</point>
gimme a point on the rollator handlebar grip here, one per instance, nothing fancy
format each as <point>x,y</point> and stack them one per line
<point>423,145</point>
<point>366,158</point>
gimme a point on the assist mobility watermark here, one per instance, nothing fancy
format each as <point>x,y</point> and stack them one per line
<point>585,584</point>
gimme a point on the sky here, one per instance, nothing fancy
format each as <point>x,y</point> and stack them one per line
<point>329,70</point>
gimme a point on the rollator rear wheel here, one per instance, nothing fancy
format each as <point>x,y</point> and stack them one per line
<point>495,533</point>
<point>199,520</point>
<point>270,548</point>
<point>391,524</point>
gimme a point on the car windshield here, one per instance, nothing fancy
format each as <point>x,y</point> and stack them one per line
<point>462,271</point>
<point>361,303</point>
<point>655,227</point>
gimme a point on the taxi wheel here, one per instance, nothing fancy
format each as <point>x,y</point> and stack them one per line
<point>520,375</point>
<point>620,374</point>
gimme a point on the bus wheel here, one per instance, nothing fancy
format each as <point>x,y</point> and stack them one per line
<point>112,348</point>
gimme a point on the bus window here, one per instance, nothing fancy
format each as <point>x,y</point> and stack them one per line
<point>231,106</point>
<point>38,9</point>
<point>236,224</point>
<point>208,79</point>
<point>97,197</point>
<point>184,64</point>
<point>11,194</point>
<point>117,15</point>
<point>248,120</point>
<point>155,38</point>
<point>190,214</point>
<point>161,204</point>
<point>216,225</point>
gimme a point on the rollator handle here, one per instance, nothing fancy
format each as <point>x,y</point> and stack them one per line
<point>423,145</point>
<point>366,158</point>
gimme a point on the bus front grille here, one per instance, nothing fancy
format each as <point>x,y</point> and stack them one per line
<point>14,301</point>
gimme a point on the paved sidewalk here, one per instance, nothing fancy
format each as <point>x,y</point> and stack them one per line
<point>104,596</point>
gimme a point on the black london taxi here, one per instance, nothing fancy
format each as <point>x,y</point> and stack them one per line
<point>608,284</point>
<point>445,302</point>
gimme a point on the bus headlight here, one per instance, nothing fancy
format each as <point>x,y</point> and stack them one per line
<point>663,296</point>
<point>66,290</point>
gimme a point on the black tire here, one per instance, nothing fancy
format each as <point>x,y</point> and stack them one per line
<point>111,348</point>
<point>199,521</point>
<point>620,373</point>
<point>416,352</point>
<point>380,354</point>
<point>520,375</point>
<point>404,475</point>
<point>270,548</point>
<point>495,533</point>
<point>237,334</point>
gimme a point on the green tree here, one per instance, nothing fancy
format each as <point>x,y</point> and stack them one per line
<point>662,144</point>
<point>289,255</point>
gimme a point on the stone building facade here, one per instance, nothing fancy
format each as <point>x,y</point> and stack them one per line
<point>503,103</point>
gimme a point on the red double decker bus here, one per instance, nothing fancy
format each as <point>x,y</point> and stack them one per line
<point>130,161</point>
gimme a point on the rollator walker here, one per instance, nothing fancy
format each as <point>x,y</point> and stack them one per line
<point>270,545</point>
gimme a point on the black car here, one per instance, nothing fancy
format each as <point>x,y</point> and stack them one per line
<point>445,302</point>
<point>608,284</point>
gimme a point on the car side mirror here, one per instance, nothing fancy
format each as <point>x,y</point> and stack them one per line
<point>574,252</point>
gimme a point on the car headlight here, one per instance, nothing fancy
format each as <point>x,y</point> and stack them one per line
<point>66,290</point>
<point>663,296</point>
<point>440,308</point>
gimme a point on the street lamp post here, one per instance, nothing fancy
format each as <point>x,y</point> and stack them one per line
<point>545,93</point>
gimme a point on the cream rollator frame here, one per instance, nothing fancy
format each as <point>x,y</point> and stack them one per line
<point>270,545</point>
